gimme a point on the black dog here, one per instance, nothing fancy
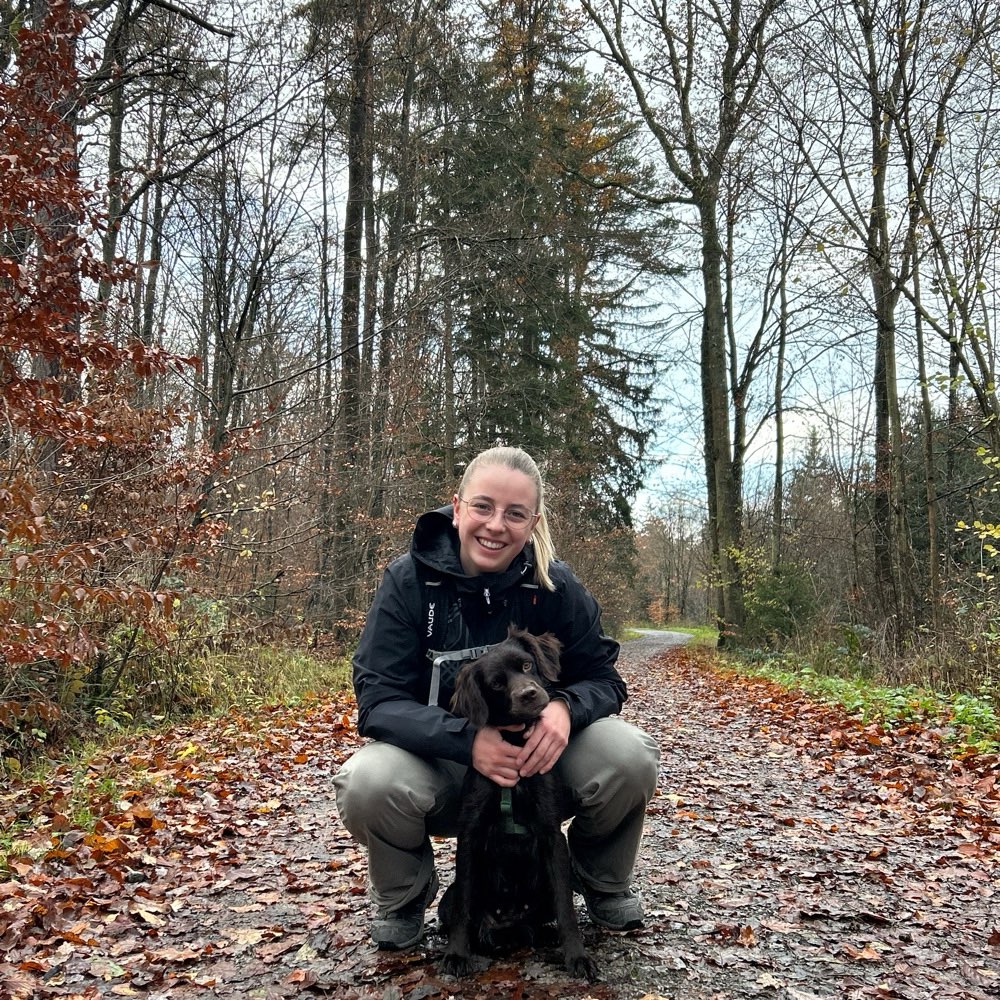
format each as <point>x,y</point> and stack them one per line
<point>512,865</point>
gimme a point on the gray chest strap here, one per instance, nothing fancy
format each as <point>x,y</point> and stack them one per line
<point>449,664</point>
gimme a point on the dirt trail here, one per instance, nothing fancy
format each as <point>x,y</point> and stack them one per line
<point>793,853</point>
<point>789,854</point>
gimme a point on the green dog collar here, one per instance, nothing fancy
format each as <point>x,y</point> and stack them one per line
<point>507,812</point>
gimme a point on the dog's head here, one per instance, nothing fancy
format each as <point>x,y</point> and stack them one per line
<point>504,686</point>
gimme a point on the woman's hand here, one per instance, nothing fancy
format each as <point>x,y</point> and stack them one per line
<point>495,758</point>
<point>546,740</point>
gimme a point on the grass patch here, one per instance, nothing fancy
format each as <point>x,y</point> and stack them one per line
<point>701,635</point>
<point>209,681</point>
<point>77,780</point>
<point>264,675</point>
<point>966,721</point>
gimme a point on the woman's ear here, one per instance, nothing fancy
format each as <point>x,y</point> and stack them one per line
<point>468,700</point>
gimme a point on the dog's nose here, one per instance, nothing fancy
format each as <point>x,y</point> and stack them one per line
<point>531,695</point>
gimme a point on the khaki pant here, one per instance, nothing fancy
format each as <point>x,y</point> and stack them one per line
<point>393,801</point>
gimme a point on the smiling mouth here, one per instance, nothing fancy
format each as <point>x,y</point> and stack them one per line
<point>488,543</point>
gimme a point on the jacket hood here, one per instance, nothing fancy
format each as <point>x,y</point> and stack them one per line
<point>435,545</point>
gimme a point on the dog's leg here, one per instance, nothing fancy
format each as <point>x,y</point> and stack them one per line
<point>578,962</point>
<point>457,960</point>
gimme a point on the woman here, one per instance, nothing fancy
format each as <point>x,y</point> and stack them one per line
<point>475,567</point>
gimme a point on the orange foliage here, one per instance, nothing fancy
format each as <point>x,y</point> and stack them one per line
<point>95,499</point>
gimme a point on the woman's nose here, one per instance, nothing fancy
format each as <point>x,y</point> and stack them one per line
<point>496,521</point>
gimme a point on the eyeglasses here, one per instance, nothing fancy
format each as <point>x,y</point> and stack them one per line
<point>514,517</point>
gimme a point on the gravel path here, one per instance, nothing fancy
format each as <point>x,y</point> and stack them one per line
<point>789,853</point>
<point>792,853</point>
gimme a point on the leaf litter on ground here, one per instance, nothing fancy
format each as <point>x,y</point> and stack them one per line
<point>790,852</point>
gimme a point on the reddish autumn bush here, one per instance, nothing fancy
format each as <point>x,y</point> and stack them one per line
<point>97,502</point>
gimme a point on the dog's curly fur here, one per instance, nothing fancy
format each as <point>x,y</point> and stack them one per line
<point>509,885</point>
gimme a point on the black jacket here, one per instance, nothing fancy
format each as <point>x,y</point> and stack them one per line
<point>391,669</point>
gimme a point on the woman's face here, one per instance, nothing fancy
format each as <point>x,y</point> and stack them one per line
<point>490,545</point>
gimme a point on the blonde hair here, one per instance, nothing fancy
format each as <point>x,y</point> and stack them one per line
<point>520,461</point>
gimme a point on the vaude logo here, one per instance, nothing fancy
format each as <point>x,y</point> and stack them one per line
<point>430,620</point>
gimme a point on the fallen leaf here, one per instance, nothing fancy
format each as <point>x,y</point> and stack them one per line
<point>866,954</point>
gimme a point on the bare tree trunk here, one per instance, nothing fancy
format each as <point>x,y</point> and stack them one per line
<point>59,226</point>
<point>319,599</point>
<point>778,504</point>
<point>893,554</point>
<point>697,142</point>
<point>342,567</point>
<point>718,445</point>
<point>930,475</point>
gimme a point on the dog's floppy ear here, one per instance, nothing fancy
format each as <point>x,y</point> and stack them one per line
<point>544,649</point>
<point>468,699</point>
<point>548,660</point>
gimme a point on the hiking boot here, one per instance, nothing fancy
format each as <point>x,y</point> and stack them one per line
<point>394,930</point>
<point>617,911</point>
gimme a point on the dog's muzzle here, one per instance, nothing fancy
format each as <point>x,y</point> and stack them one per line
<point>528,697</point>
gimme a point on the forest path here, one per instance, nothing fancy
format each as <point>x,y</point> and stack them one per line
<point>790,853</point>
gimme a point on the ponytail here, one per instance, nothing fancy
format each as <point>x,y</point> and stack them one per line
<point>545,551</point>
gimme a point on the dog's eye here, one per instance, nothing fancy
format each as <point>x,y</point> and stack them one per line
<point>498,683</point>
<point>526,666</point>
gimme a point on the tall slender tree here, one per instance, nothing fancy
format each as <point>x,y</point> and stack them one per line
<point>694,71</point>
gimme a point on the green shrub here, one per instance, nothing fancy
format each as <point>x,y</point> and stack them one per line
<point>777,604</point>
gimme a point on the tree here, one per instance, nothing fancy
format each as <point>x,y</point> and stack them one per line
<point>673,564</point>
<point>694,72</point>
<point>505,266</point>
<point>555,245</point>
<point>81,579</point>
<point>871,126</point>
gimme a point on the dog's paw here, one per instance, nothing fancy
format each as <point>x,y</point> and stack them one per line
<point>456,965</point>
<point>582,966</point>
